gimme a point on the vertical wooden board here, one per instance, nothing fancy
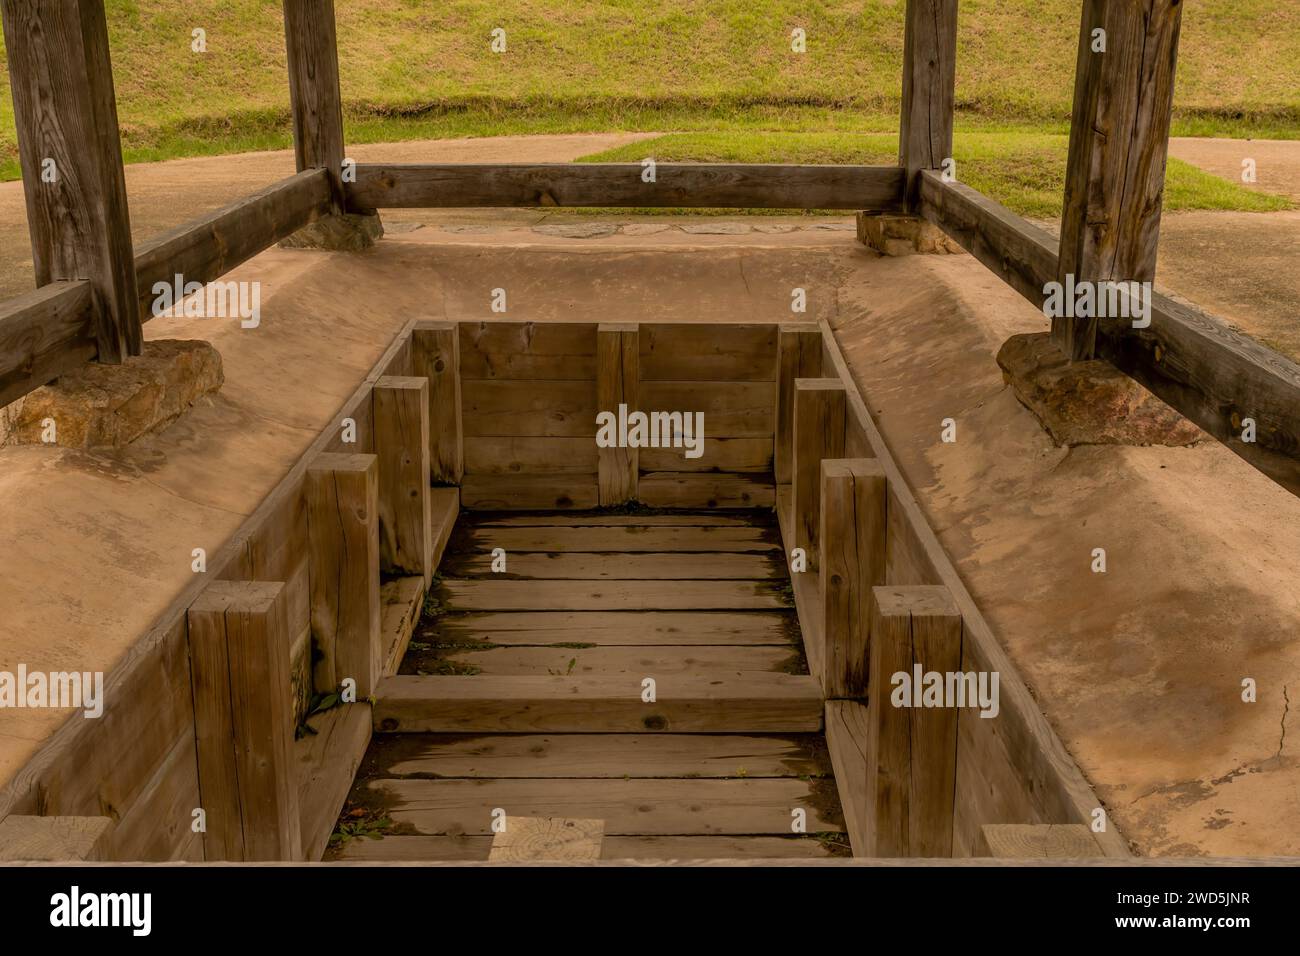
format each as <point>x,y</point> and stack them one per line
<point>342,494</point>
<point>852,540</point>
<point>889,768</point>
<point>906,559</point>
<point>1119,138</point>
<point>312,55</point>
<point>159,825</point>
<point>528,350</point>
<point>799,355</point>
<point>617,378</point>
<point>936,646</point>
<point>355,420</point>
<point>819,409</point>
<point>435,355</point>
<point>929,87</point>
<point>65,114</point>
<point>402,445</point>
<point>708,353</point>
<point>847,735</point>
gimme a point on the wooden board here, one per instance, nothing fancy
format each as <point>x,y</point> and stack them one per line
<point>731,409</point>
<point>719,454</point>
<point>629,538</point>
<point>708,353</point>
<point>634,756</point>
<point>847,739</point>
<point>44,334</point>
<point>617,390</point>
<point>466,848</point>
<point>609,661</point>
<point>754,703</point>
<point>401,601</point>
<point>1046,841</point>
<point>528,456</point>
<point>555,409</point>
<point>559,839</point>
<point>771,186</point>
<point>636,566</point>
<point>479,595</point>
<point>528,350</point>
<point>435,355</point>
<point>520,492</point>
<point>682,519</point>
<point>620,628</point>
<point>677,489</point>
<point>761,806</point>
<point>63,839</point>
<point>325,762</point>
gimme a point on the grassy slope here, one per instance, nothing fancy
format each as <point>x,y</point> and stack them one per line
<point>413,68</point>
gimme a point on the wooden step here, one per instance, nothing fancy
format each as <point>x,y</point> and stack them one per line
<point>465,848</point>
<point>618,628</point>
<point>776,703</point>
<point>481,595</point>
<point>599,661</point>
<point>627,807</point>
<point>548,539</point>
<point>641,566</point>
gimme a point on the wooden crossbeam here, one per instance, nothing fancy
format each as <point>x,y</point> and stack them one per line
<point>442,185</point>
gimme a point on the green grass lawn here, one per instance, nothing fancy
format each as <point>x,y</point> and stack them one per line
<point>1022,169</point>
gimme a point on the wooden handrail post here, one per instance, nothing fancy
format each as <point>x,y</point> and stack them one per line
<point>312,48</point>
<point>71,157</point>
<point>912,751</point>
<point>435,355</point>
<point>799,355</point>
<point>929,89</point>
<point>618,359</point>
<point>401,412</point>
<point>243,721</point>
<point>1119,137</point>
<point>342,494</point>
<point>852,547</point>
<point>819,408</point>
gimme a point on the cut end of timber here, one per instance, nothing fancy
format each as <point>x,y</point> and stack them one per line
<point>1088,403</point>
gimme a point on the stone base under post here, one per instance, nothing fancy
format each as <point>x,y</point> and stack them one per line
<point>893,235</point>
<point>344,232</point>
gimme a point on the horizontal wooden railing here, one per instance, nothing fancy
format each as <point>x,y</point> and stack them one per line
<point>696,185</point>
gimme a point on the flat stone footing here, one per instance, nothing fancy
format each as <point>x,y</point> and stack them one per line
<point>892,235</point>
<point>1088,403</point>
<point>346,232</point>
<point>109,406</point>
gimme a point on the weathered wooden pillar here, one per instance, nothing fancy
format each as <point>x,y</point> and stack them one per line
<point>819,410</point>
<point>1119,137</point>
<point>799,355</point>
<point>342,494</point>
<point>71,156</point>
<point>435,355</point>
<point>244,721</point>
<point>618,359</point>
<point>401,412</point>
<point>312,47</point>
<point>912,751</point>
<point>852,548</point>
<point>929,88</point>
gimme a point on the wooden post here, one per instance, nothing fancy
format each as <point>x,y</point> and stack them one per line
<point>312,49</point>
<point>401,412</point>
<point>618,359</point>
<point>342,494</point>
<point>1119,136</point>
<point>819,409</point>
<point>435,355</point>
<point>852,545</point>
<point>912,751</point>
<point>55,839</point>
<point>1037,841</point>
<point>243,720</point>
<point>799,355</point>
<point>71,157</point>
<point>929,89</point>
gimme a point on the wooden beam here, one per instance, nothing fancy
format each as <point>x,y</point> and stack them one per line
<point>819,405</point>
<point>912,751</point>
<point>435,185</point>
<point>65,114</point>
<point>55,839</point>
<point>852,548</point>
<point>208,247</point>
<point>1119,137</point>
<point>435,355</point>
<point>1040,841</point>
<point>342,494</point>
<point>44,334</point>
<point>799,355</point>
<point>401,410</point>
<point>929,87</point>
<point>618,354</point>
<point>243,712</point>
<point>312,48</point>
<point>1193,361</point>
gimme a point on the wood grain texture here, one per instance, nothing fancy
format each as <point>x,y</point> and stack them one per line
<point>548,838</point>
<point>1044,841</point>
<point>44,334</point>
<point>929,87</point>
<point>622,628</point>
<point>441,185</point>
<point>629,538</point>
<point>342,494</point>
<point>640,566</point>
<point>54,839</point>
<point>566,595</point>
<point>462,849</point>
<point>847,738</point>
<point>402,444</point>
<point>527,455</point>
<point>715,352</point>
<point>528,350</point>
<point>65,116</point>
<point>529,408</point>
<point>435,355</point>
<point>529,492</point>
<point>677,489</point>
<point>799,355</point>
<point>617,384</point>
<point>819,405</point>
<point>1119,137</point>
<point>326,762</point>
<point>312,54</point>
<point>751,703</point>
<point>731,409</point>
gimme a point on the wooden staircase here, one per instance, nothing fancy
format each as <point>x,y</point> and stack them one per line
<point>640,670</point>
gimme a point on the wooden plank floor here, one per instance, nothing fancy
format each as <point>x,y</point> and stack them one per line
<point>588,606</point>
